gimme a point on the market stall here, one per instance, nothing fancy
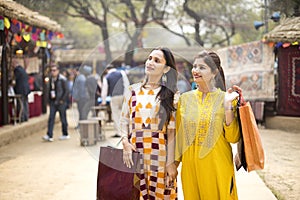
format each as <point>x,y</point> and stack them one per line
<point>285,39</point>
<point>22,29</point>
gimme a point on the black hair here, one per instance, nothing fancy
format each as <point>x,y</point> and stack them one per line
<point>166,94</point>
<point>54,65</point>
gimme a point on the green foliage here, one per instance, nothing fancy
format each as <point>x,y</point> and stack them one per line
<point>84,34</point>
<point>218,18</point>
<point>54,9</point>
<point>245,31</point>
<point>285,7</point>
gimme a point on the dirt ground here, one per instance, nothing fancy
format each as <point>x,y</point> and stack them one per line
<point>32,169</point>
<point>281,173</point>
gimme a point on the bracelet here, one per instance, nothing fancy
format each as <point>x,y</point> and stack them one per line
<point>228,108</point>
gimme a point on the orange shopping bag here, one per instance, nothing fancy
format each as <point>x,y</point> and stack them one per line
<point>250,150</point>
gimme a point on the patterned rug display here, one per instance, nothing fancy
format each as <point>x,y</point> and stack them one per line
<point>289,81</point>
<point>251,66</point>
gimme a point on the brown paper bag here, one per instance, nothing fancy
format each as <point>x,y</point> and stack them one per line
<point>250,149</point>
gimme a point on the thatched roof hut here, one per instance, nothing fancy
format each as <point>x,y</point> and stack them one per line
<point>287,31</point>
<point>13,10</point>
<point>287,37</point>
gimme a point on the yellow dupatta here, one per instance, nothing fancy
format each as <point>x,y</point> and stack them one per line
<point>188,122</point>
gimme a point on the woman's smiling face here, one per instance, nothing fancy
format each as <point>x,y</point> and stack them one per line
<point>202,72</point>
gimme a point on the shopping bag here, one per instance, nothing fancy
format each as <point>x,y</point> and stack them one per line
<point>250,154</point>
<point>115,180</point>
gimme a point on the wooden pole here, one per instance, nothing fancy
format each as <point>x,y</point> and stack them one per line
<point>44,86</point>
<point>4,80</point>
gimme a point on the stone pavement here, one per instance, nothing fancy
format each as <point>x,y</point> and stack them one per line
<point>32,169</point>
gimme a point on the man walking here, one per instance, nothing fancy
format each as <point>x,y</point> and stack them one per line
<point>58,95</point>
<point>80,92</point>
<point>114,85</point>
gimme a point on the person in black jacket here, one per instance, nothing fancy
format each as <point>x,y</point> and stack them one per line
<point>58,95</point>
<point>22,88</point>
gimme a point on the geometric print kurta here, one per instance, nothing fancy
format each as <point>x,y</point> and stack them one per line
<point>139,112</point>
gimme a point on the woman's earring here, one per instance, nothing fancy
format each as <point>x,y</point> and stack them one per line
<point>164,80</point>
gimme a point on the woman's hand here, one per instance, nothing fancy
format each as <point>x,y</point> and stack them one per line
<point>237,88</point>
<point>231,94</point>
<point>171,174</point>
<point>127,152</point>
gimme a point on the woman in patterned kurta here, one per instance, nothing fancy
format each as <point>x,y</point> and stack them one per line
<point>206,125</point>
<point>148,112</point>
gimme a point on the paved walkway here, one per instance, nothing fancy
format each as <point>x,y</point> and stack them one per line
<point>31,169</point>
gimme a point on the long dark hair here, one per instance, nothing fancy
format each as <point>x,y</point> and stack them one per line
<point>213,61</point>
<point>166,94</point>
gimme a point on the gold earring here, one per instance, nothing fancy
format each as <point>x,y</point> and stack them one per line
<point>164,80</point>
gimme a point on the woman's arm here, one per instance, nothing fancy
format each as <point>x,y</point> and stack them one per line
<point>171,167</point>
<point>231,126</point>
<point>124,129</point>
<point>230,95</point>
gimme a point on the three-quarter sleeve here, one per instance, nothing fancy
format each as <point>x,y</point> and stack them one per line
<point>178,146</point>
<point>232,132</point>
<point>125,114</point>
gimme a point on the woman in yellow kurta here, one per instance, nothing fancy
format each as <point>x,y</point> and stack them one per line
<point>206,125</point>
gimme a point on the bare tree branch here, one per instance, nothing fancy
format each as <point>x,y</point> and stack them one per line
<point>84,9</point>
<point>139,24</point>
<point>227,35</point>
<point>145,14</point>
<point>213,21</point>
<point>173,32</point>
<point>124,22</point>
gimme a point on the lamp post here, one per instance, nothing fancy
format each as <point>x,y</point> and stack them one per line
<point>266,16</point>
<point>275,18</point>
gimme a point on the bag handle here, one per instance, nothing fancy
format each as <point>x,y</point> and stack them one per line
<point>240,159</point>
<point>241,100</point>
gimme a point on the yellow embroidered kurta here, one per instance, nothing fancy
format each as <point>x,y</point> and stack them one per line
<point>140,115</point>
<point>203,146</point>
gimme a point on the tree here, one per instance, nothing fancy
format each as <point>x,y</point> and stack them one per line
<point>165,12</point>
<point>95,13</point>
<point>51,8</point>
<point>245,31</point>
<point>209,23</point>
<point>288,7</point>
<point>136,15</point>
<point>213,21</point>
<point>219,23</point>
